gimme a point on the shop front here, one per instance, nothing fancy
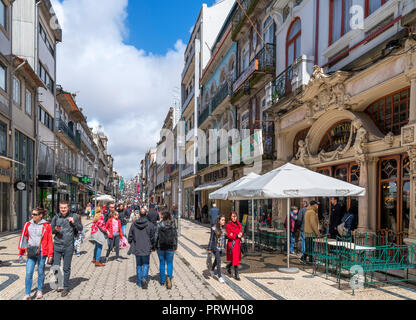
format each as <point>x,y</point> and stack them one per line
<point>5,195</point>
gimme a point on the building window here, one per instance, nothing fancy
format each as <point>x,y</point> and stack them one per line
<point>47,80</point>
<point>339,19</point>
<point>373,5</point>
<point>24,149</point>
<point>245,58</point>
<point>336,137</point>
<point>28,102</point>
<point>391,112</point>
<point>16,90</point>
<point>268,30</point>
<point>3,77</point>
<point>293,44</point>
<point>3,15</point>
<point>46,40</point>
<point>3,139</point>
<point>45,118</point>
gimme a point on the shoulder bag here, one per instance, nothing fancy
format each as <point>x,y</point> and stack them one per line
<point>34,252</point>
<point>343,232</point>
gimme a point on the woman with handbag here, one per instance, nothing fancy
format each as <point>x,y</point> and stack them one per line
<point>234,235</point>
<point>217,245</point>
<point>36,241</point>
<point>98,236</point>
<point>115,233</point>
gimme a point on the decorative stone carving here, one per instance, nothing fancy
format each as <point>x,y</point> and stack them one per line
<point>412,157</point>
<point>361,136</point>
<point>389,139</point>
<point>303,151</point>
<point>318,73</point>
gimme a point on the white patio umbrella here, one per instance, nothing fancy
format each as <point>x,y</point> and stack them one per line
<point>224,193</point>
<point>291,181</point>
<point>104,198</point>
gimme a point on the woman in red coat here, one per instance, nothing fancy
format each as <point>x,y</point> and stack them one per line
<point>234,235</point>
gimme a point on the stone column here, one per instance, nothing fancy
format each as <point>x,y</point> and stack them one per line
<point>412,215</point>
<point>363,207</point>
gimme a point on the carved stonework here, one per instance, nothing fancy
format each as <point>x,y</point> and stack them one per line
<point>409,135</point>
<point>412,157</point>
<point>389,139</point>
<point>410,49</point>
<point>318,73</point>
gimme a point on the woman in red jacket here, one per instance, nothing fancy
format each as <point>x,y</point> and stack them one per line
<point>114,232</point>
<point>234,235</point>
<point>36,241</point>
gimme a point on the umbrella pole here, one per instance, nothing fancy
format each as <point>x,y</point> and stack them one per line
<point>288,231</point>
<point>288,269</point>
<point>252,223</point>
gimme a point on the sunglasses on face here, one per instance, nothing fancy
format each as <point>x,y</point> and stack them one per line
<point>35,214</point>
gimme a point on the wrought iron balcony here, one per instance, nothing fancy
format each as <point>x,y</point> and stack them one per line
<point>240,18</point>
<point>74,137</point>
<point>294,77</point>
<point>188,100</point>
<point>204,115</point>
<point>263,63</point>
<point>224,92</point>
<point>188,62</point>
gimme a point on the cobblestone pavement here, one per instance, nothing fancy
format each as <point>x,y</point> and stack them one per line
<point>260,279</point>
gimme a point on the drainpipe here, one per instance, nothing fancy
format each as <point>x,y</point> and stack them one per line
<point>317,32</point>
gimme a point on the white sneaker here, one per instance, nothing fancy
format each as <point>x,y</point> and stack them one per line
<point>221,280</point>
<point>39,295</point>
<point>27,297</point>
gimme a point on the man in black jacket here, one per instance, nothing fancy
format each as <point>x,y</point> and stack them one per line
<point>65,226</point>
<point>141,238</point>
<point>335,218</point>
<point>153,216</point>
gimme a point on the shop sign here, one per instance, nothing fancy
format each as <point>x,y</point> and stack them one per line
<point>86,180</point>
<point>20,186</point>
<point>75,179</point>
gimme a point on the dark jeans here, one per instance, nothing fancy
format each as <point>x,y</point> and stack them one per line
<point>217,262</point>
<point>66,254</point>
<point>308,248</point>
<point>142,269</point>
<point>114,242</point>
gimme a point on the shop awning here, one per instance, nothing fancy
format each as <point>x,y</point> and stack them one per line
<point>213,185</point>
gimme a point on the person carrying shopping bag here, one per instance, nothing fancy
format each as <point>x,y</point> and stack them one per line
<point>98,236</point>
<point>36,241</point>
<point>114,233</point>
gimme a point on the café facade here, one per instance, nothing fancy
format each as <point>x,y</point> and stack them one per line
<point>361,128</point>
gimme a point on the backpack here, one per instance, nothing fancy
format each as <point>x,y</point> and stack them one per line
<point>166,238</point>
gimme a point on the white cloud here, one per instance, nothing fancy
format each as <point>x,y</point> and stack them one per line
<point>127,90</point>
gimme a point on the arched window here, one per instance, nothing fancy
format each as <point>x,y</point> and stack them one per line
<point>391,112</point>
<point>336,137</point>
<point>301,135</point>
<point>222,76</point>
<point>268,30</point>
<point>293,43</point>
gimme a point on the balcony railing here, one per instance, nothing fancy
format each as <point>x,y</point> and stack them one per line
<point>87,142</point>
<point>75,138</point>
<point>204,115</point>
<point>293,77</point>
<point>264,62</point>
<point>221,95</point>
<point>240,18</point>
<point>188,62</point>
<point>188,99</point>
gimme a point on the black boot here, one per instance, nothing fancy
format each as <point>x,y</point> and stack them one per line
<point>229,269</point>
<point>237,277</point>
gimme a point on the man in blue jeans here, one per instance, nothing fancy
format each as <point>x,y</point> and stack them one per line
<point>141,238</point>
<point>166,243</point>
<point>300,222</point>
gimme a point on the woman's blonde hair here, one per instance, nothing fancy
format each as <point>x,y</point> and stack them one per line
<point>97,215</point>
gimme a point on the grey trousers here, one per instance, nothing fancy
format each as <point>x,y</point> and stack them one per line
<point>66,254</point>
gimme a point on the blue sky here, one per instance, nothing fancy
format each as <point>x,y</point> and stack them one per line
<point>155,26</point>
<point>124,58</point>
